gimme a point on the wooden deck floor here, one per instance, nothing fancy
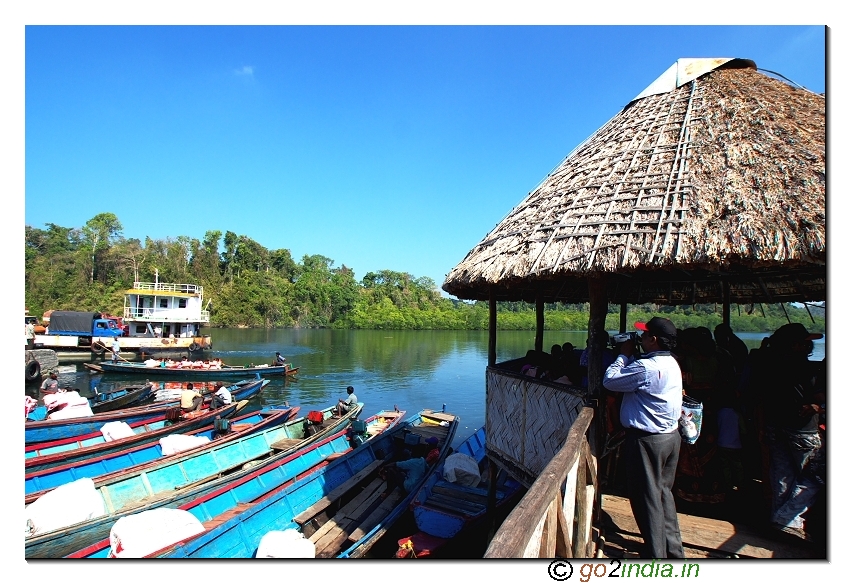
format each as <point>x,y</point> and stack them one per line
<point>702,537</point>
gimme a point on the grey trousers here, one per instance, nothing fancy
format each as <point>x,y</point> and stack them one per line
<point>651,460</point>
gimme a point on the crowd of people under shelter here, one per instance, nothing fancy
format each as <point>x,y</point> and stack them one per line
<point>763,424</point>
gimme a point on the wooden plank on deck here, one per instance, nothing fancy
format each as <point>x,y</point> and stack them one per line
<point>285,444</point>
<point>381,512</point>
<point>334,494</point>
<point>699,534</point>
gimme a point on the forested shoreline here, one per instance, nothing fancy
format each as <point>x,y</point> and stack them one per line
<point>89,268</point>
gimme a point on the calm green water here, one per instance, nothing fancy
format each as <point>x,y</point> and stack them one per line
<point>411,369</point>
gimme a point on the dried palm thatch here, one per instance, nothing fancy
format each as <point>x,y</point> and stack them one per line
<point>718,183</point>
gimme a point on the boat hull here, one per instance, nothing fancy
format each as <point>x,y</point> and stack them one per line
<point>69,429</point>
<point>191,373</point>
<point>240,535</point>
<point>73,538</point>
<point>444,509</point>
<point>37,483</point>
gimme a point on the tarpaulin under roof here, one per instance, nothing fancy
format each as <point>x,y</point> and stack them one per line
<point>713,178</point>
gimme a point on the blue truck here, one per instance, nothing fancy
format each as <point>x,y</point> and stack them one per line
<point>83,330</point>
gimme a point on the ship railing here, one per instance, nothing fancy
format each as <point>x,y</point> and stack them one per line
<point>554,518</point>
<point>183,288</point>
<point>156,315</point>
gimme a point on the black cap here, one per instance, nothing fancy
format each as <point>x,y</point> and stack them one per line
<point>658,327</point>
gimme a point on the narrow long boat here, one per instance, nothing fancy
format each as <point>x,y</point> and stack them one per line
<point>118,399</point>
<point>325,464</point>
<point>225,371</point>
<point>126,459</point>
<point>121,398</point>
<point>48,454</point>
<point>84,448</point>
<point>444,509</point>
<point>62,541</point>
<point>343,508</point>
<point>70,429</point>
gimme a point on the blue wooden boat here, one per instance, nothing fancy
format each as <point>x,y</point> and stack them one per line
<point>39,482</point>
<point>189,373</point>
<point>443,509</point>
<point>41,456</point>
<point>340,507</point>
<point>63,541</point>
<point>120,398</point>
<point>69,429</point>
<point>77,451</point>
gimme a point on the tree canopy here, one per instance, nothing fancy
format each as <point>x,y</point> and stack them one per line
<point>89,269</point>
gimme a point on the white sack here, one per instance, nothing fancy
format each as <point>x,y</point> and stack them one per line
<point>462,470</point>
<point>64,399</point>
<point>116,430</point>
<point>285,544</point>
<point>72,411</point>
<point>63,506</point>
<point>143,533</point>
<point>176,442</point>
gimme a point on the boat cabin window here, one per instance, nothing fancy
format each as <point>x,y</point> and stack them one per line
<point>163,302</point>
<point>181,302</point>
<point>141,329</point>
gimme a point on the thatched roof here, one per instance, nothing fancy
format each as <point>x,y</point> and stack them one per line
<point>719,180</point>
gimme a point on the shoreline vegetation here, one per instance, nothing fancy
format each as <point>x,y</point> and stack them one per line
<point>249,286</point>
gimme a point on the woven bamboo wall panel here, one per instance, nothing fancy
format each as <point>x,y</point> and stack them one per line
<point>527,422</point>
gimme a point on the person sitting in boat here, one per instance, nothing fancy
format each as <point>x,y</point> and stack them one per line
<point>50,384</point>
<point>279,360</point>
<point>152,363</point>
<point>221,397</point>
<point>405,473</point>
<point>347,404</point>
<point>215,364</point>
<point>190,399</point>
<point>184,363</point>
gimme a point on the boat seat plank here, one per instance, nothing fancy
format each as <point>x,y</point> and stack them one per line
<point>374,518</point>
<point>333,533</point>
<point>439,416</point>
<point>451,508</point>
<point>284,444</point>
<point>463,494</point>
<point>456,503</point>
<point>337,492</point>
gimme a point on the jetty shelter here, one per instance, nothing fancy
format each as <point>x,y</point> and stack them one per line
<point>708,187</point>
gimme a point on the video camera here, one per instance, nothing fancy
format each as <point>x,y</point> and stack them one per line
<point>618,339</point>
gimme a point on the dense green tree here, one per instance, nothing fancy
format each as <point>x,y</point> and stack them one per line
<point>246,284</point>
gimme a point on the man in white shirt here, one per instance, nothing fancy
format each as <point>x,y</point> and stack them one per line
<point>652,405</point>
<point>221,397</point>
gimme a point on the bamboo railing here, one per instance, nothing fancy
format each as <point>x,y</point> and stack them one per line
<point>554,518</point>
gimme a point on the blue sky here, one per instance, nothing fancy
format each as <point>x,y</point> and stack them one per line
<point>380,147</point>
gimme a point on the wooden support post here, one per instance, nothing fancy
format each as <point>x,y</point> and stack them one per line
<point>538,338</point>
<point>624,310</point>
<point>580,539</point>
<point>596,331</point>
<point>491,350</point>
<point>492,474</point>
<point>726,303</point>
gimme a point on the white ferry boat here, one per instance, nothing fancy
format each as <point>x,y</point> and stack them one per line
<point>163,318</point>
<point>159,320</point>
